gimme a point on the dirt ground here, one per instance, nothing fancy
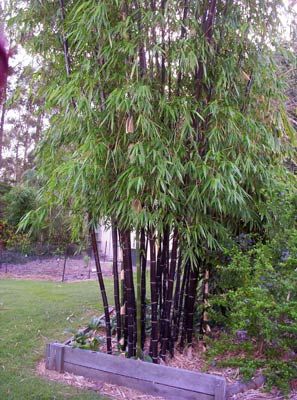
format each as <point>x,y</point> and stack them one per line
<point>52,269</point>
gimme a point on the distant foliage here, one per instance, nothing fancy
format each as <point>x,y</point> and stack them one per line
<point>10,240</point>
<point>4,188</point>
<point>19,201</point>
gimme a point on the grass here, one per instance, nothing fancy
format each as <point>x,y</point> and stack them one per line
<point>33,313</point>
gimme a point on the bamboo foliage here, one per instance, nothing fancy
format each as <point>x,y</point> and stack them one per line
<point>167,138</point>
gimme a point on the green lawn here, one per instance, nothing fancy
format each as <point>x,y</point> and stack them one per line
<point>33,313</point>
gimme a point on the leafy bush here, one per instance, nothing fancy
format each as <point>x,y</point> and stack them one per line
<point>19,201</point>
<point>9,239</point>
<point>4,189</point>
<point>257,292</point>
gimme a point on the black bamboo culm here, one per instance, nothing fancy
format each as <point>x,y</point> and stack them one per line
<point>66,48</point>
<point>159,275</point>
<point>184,305</point>
<point>154,300</point>
<point>164,277</point>
<point>65,42</point>
<point>102,289</point>
<point>204,327</point>
<point>181,302</point>
<point>182,36</point>
<point>193,281</point>
<point>138,298</point>
<point>116,279</point>
<point>169,296</point>
<point>130,292</point>
<point>124,321</point>
<point>143,258</point>
<point>176,300</point>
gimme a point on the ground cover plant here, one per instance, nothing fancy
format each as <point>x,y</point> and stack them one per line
<point>34,313</point>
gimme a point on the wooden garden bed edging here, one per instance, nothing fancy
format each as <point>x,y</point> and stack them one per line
<point>158,380</point>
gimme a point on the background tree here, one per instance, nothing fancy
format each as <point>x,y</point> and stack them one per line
<point>23,122</point>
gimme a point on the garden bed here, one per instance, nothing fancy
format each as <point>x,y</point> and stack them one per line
<point>84,355</point>
<point>157,380</point>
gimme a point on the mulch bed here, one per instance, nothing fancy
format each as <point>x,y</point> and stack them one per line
<point>192,359</point>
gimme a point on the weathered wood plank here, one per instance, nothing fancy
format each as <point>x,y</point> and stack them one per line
<point>220,390</point>
<point>55,357</point>
<point>169,376</point>
<point>152,388</point>
<point>59,357</point>
<point>47,356</point>
<point>170,383</point>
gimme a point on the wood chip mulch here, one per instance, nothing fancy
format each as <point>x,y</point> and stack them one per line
<point>105,389</point>
<point>192,360</point>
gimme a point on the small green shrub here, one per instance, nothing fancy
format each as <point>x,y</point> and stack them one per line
<point>257,292</point>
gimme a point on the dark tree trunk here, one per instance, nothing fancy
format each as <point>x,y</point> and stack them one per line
<point>143,260</point>
<point>184,305</point>
<point>181,301</point>
<point>154,300</point>
<point>169,296</point>
<point>116,279</point>
<point>182,36</point>
<point>65,42</point>
<point>102,289</point>
<point>124,320</point>
<point>176,301</point>
<point>193,280</point>
<point>163,66</point>
<point>159,276</point>
<point>130,292</point>
<point>164,277</point>
<point>204,327</point>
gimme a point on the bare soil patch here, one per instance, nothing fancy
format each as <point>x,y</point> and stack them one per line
<point>52,268</point>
